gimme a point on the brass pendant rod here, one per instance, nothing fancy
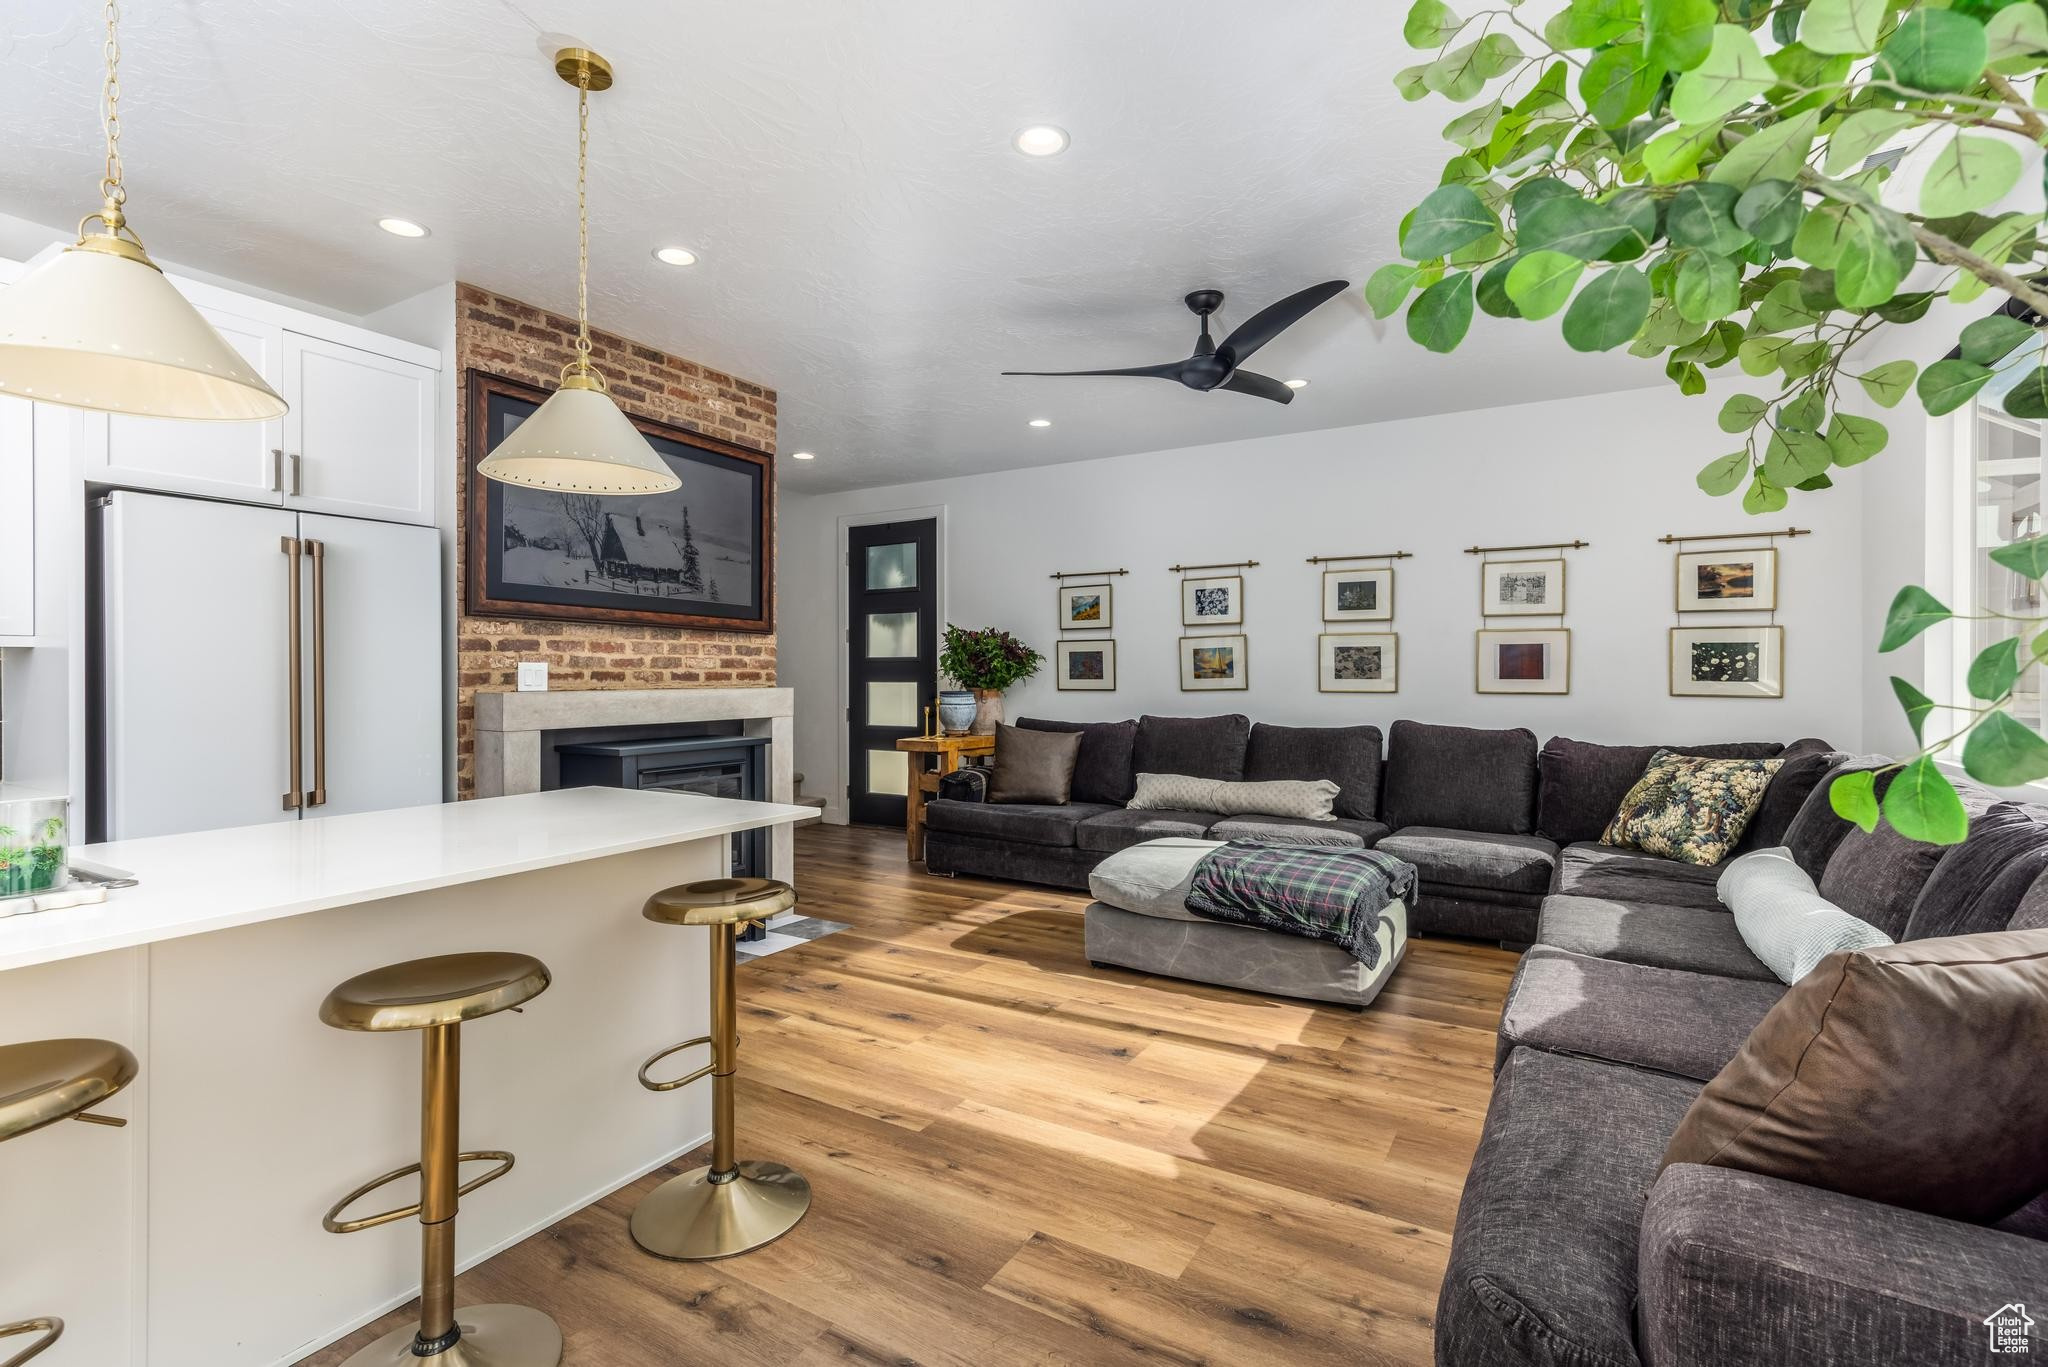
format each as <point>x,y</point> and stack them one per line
<point>1738,536</point>
<point>1086,574</point>
<point>1220,565</point>
<point>1374,555</point>
<point>1536,546</point>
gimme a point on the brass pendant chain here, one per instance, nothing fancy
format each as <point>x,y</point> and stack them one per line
<point>582,221</point>
<point>111,188</point>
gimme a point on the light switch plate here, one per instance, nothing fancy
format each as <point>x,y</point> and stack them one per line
<point>533,676</point>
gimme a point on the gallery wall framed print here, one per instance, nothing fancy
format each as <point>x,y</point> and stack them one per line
<point>1728,662</point>
<point>1359,595</point>
<point>1358,662</point>
<point>1728,581</point>
<point>1521,588</point>
<point>1085,607</point>
<point>1212,663</point>
<point>1085,665</point>
<point>1524,661</point>
<point>1217,601</point>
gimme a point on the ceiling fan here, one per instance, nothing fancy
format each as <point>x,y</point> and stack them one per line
<point>1216,367</point>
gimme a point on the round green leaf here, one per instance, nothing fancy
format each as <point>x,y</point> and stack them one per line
<point>2028,558</point>
<point>1719,477</point>
<point>1971,171</point>
<point>1678,33</point>
<point>1493,293</point>
<point>1770,211</point>
<point>1764,497</point>
<point>1922,804</point>
<point>2029,398</point>
<point>1442,314</point>
<point>1541,282</point>
<point>1775,152</point>
<point>1913,610</point>
<point>1793,457</point>
<point>1989,340</point>
<point>1888,383</point>
<point>1566,223</point>
<point>1917,705</point>
<point>1946,386</point>
<point>1464,71</point>
<point>1733,73</point>
<point>2003,753</point>
<point>1850,26</point>
<point>1451,217</point>
<point>2016,32</point>
<point>1608,311</point>
<point>1822,235</point>
<point>1935,50</point>
<point>1708,287</point>
<point>1741,412</point>
<point>1861,134</point>
<point>1387,288</point>
<point>1703,215</point>
<point>1854,798</point>
<point>1867,272</point>
<point>1785,309</point>
<point>1431,23</point>
<point>1995,670</point>
<point>1674,154</point>
<point>1617,85</point>
<point>1855,440</point>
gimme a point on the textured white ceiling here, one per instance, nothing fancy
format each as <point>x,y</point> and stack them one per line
<point>871,244</point>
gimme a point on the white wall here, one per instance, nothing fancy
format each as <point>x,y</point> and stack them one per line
<point>1616,470</point>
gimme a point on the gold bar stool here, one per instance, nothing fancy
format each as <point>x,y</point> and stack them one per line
<point>435,996</point>
<point>41,1083</point>
<point>728,1206</point>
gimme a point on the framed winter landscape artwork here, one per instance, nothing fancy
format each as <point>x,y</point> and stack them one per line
<point>700,556</point>
<point>1524,662</point>
<point>1521,588</point>
<point>1358,662</point>
<point>1727,662</point>
<point>1211,663</point>
<point>1085,607</point>
<point>1085,665</point>
<point>1212,602</point>
<point>1359,595</point>
<point>1728,581</point>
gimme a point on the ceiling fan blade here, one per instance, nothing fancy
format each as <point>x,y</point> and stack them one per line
<point>1244,382</point>
<point>1274,319</point>
<point>1169,371</point>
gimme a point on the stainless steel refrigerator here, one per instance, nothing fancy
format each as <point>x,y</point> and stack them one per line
<point>258,664</point>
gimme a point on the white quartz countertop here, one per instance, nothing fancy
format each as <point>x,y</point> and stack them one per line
<point>216,880</point>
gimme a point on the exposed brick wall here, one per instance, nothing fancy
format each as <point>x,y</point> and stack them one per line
<point>516,339</point>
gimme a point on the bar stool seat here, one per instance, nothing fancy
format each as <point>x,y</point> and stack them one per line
<point>720,901</point>
<point>425,993</point>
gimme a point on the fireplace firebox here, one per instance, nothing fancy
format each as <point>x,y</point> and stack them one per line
<point>715,766</point>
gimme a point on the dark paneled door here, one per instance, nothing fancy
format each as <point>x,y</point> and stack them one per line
<point>892,661</point>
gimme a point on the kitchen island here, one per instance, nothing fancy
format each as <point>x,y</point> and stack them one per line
<point>193,1235</point>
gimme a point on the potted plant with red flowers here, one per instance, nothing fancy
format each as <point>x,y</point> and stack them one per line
<point>987,661</point>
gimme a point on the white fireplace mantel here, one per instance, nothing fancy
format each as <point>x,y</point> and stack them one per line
<point>509,728</point>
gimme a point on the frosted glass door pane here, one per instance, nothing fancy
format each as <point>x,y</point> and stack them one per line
<point>893,567</point>
<point>892,704</point>
<point>888,773</point>
<point>892,635</point>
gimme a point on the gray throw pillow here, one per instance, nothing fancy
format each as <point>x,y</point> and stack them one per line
<point>1309,799</point>
<point>1783,918</point>
<point>1033,766</point>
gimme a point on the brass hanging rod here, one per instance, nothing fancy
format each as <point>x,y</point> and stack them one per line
<point>1376,555</point>
<point>1086,574</point>
<point>1222,565</point>
<point>1538,546</point>
<point>1738,536</point>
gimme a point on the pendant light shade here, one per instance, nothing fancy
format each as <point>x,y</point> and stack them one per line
<point>579,440</point>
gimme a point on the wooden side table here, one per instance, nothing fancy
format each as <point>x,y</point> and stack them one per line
<point>948,751</point>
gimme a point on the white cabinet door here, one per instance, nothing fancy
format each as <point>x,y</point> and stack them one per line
<point>196,600</point>
<point>359,440</point>
<point>17,518</point>
<point>378,598</point>
<point>238,460</point>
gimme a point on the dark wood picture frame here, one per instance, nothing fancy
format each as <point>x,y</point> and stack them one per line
<point>483,505</point>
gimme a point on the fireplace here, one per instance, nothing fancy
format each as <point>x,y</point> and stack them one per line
<point>717,765</point>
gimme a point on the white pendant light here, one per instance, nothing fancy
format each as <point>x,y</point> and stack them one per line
<point>97,326</point>
<point>579,440</point>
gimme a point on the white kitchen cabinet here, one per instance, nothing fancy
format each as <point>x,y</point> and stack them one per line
<point>17,521</point>
<point>238,460</point>
<point>359,440</point>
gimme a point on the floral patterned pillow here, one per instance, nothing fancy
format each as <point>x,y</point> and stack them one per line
<point>1690,809</point>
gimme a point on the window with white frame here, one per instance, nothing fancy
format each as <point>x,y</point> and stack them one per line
<point>1998,461</point>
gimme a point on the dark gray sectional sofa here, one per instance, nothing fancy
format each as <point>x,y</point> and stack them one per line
<point>1571,1248</point>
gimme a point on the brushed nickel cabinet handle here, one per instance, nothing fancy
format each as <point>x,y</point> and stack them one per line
<point>293,548</point>
<point>296,481</point>
<point>318,551</point>
<point>277,469</point>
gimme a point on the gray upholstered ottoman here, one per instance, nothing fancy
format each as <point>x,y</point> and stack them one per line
<point>1139,920</point>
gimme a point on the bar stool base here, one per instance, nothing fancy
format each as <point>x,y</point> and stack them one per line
<point>692,1219</point>
<point>492,1336</point>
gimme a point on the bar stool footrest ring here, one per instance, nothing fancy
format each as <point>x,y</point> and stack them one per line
<point>335,1225</point>
<point>50,1327</point>
<point>684,1081</point>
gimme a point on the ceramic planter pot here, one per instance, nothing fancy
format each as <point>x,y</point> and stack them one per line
<point>957,711</point>
<point>988,711</point>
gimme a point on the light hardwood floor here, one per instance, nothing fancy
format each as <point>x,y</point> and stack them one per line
<point>1021,1159</point>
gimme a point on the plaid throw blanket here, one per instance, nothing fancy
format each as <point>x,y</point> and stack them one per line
<point>1322,892</point>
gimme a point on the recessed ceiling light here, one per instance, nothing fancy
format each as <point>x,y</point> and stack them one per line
<point>1295,384</point>
<point>1041,140</point>
<point>1041,422</point>
<point>401,227</point>
<point>803,455</point>
<point>675,256</point>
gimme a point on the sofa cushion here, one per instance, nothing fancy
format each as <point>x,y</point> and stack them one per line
<point>1581,784</point>
<point>1978,885</point>
<point>1349,756</point>
<point>1019,823</point>
<point>1908,1075</point>
<point>1684,938</point>
<point>1206,747</point>
<point>2032,911</point>
<point>1586,870</point>
<point>1543,1261</point>
<point>1690,1024</point>
<point>1458,778</point>
<point>1689,808</point>
<point>1797,777</point>
<point>1815,830</point>
<point>1509,918</point>
<point>1109,831</point>
<point>1475,859</point>
<point>1784,920</point>
<point>1294,830</point>
<point>1033,766</point>
<point>1878,875</point>
<point>1152,878</point>
<point>1102,772</point>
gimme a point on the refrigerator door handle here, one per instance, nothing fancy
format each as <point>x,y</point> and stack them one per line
<point>317,550</point>
<point>293,549</point>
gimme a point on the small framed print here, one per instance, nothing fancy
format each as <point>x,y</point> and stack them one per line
<point>1358,662</point>
<point>1217,602</point>
<point>1727,662</point>
<point>1212,663</point>
<point>1359,595</point>
<point>1728,581</point>
<point>1524,661</point>
<point>1085,607</point>
<point>1521,588</point>
<point>1085,665</point>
